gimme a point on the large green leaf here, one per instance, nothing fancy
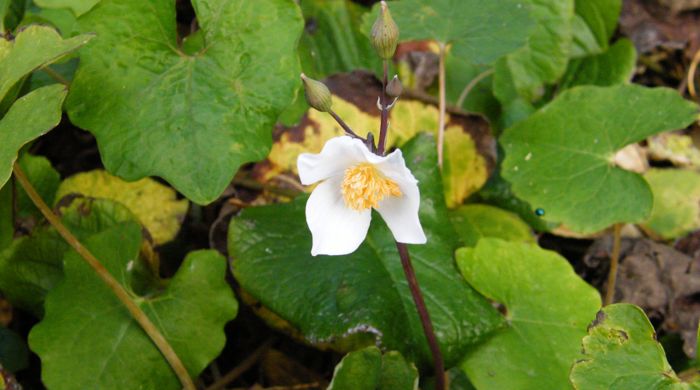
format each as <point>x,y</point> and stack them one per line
<point>614,66</point>
<point>192,119</point>
<point>562,157</point>
<point>32,265</point>
<point>547,309</point>
<point>368,369</point>
<point>544,59</point>
<point>329,298</point>
<point>477,31</point>
<point>30,116</point>
<point>621,353</point>
<point>34,47</point>
<point>88,340</point>
<point>78,7</point>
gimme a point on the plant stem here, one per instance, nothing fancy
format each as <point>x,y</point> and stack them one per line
<point>614,260</point>
<point>384,126</point>
<point>244,366</point>
<point>55,75</point>
<point>471,85</point>
<point>344,125</point>
<point>691,74</point>
<point>442,104</point>
<point>424,316</point>
<point>15,206</point>
<point>156,336</point>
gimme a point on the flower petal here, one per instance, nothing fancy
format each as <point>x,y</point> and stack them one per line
<point>337,154</point>
<point>401,213</point>
<point>335,228</point>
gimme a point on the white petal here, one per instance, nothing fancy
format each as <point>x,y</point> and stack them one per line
<point>335,228</point>
<point>401,213</point>
<point>337,155</point>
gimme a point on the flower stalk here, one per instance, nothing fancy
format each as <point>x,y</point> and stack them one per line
<point>424,315</point>
<point>136,313</point>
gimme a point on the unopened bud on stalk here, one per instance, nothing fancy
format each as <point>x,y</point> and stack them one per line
<point>385,33</point>
<point>394,88</point>
<point>317,94</point>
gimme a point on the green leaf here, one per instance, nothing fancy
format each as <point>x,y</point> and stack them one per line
<point>32,265</point>
<point>78,7</point>
<point>614,66</point>
<point>331,299</point>
<point>676,209</point>
<point>32,48</point>
<point>43,177</point>
<point>190,119</point>
<point>368,369</point>
<point>621,352</point>
<point>155,205</point>
<point>599,18</point>
<point>88,339</point>
<point>547,309</point>
<point>332,41</point>
<point>543,60</point>
<point>30,117</point>
<point>64,20</point>
<point>482,31</point>
<point>11,12</point>
<point>14,354</point>
<point>476,221</point>
<point>562,157</point>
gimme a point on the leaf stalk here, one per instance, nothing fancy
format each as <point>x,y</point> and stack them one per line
<point>137,314</point>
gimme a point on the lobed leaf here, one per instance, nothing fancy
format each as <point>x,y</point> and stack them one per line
<point>88,339</point>
<point>547,310</point>
<point>562,157</point>
<point>191,119</point>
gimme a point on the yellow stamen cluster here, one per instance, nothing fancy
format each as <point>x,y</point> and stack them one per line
<point>364,186</point>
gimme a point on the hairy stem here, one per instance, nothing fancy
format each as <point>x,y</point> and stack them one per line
<point>614,260</point>
<point>344,125</point>
<point>384,126</point>
<point>156,336</point>
<point>471,85</point>
<point>442,104</point>
<point>424,315</point>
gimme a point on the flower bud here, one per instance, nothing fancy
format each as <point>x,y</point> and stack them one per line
<point>394,88</point>
<point>385,33</point>
<point>317,94</point>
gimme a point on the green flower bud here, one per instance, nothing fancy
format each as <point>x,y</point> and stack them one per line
<point>394,88</point>
<point>317,94</point>
<point>385,33</point>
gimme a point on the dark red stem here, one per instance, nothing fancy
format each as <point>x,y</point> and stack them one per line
<point>385,114</point>
<point>424,315</point>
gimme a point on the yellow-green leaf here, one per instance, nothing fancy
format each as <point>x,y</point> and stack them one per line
<point>154,204</point>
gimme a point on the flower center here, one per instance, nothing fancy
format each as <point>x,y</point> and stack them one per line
<point>364,186</point>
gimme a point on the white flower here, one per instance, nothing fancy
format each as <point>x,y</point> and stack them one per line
<point>353,182</point>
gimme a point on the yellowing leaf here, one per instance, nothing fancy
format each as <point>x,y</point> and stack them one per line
<point>465,169</point>
<point>154,204</point>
